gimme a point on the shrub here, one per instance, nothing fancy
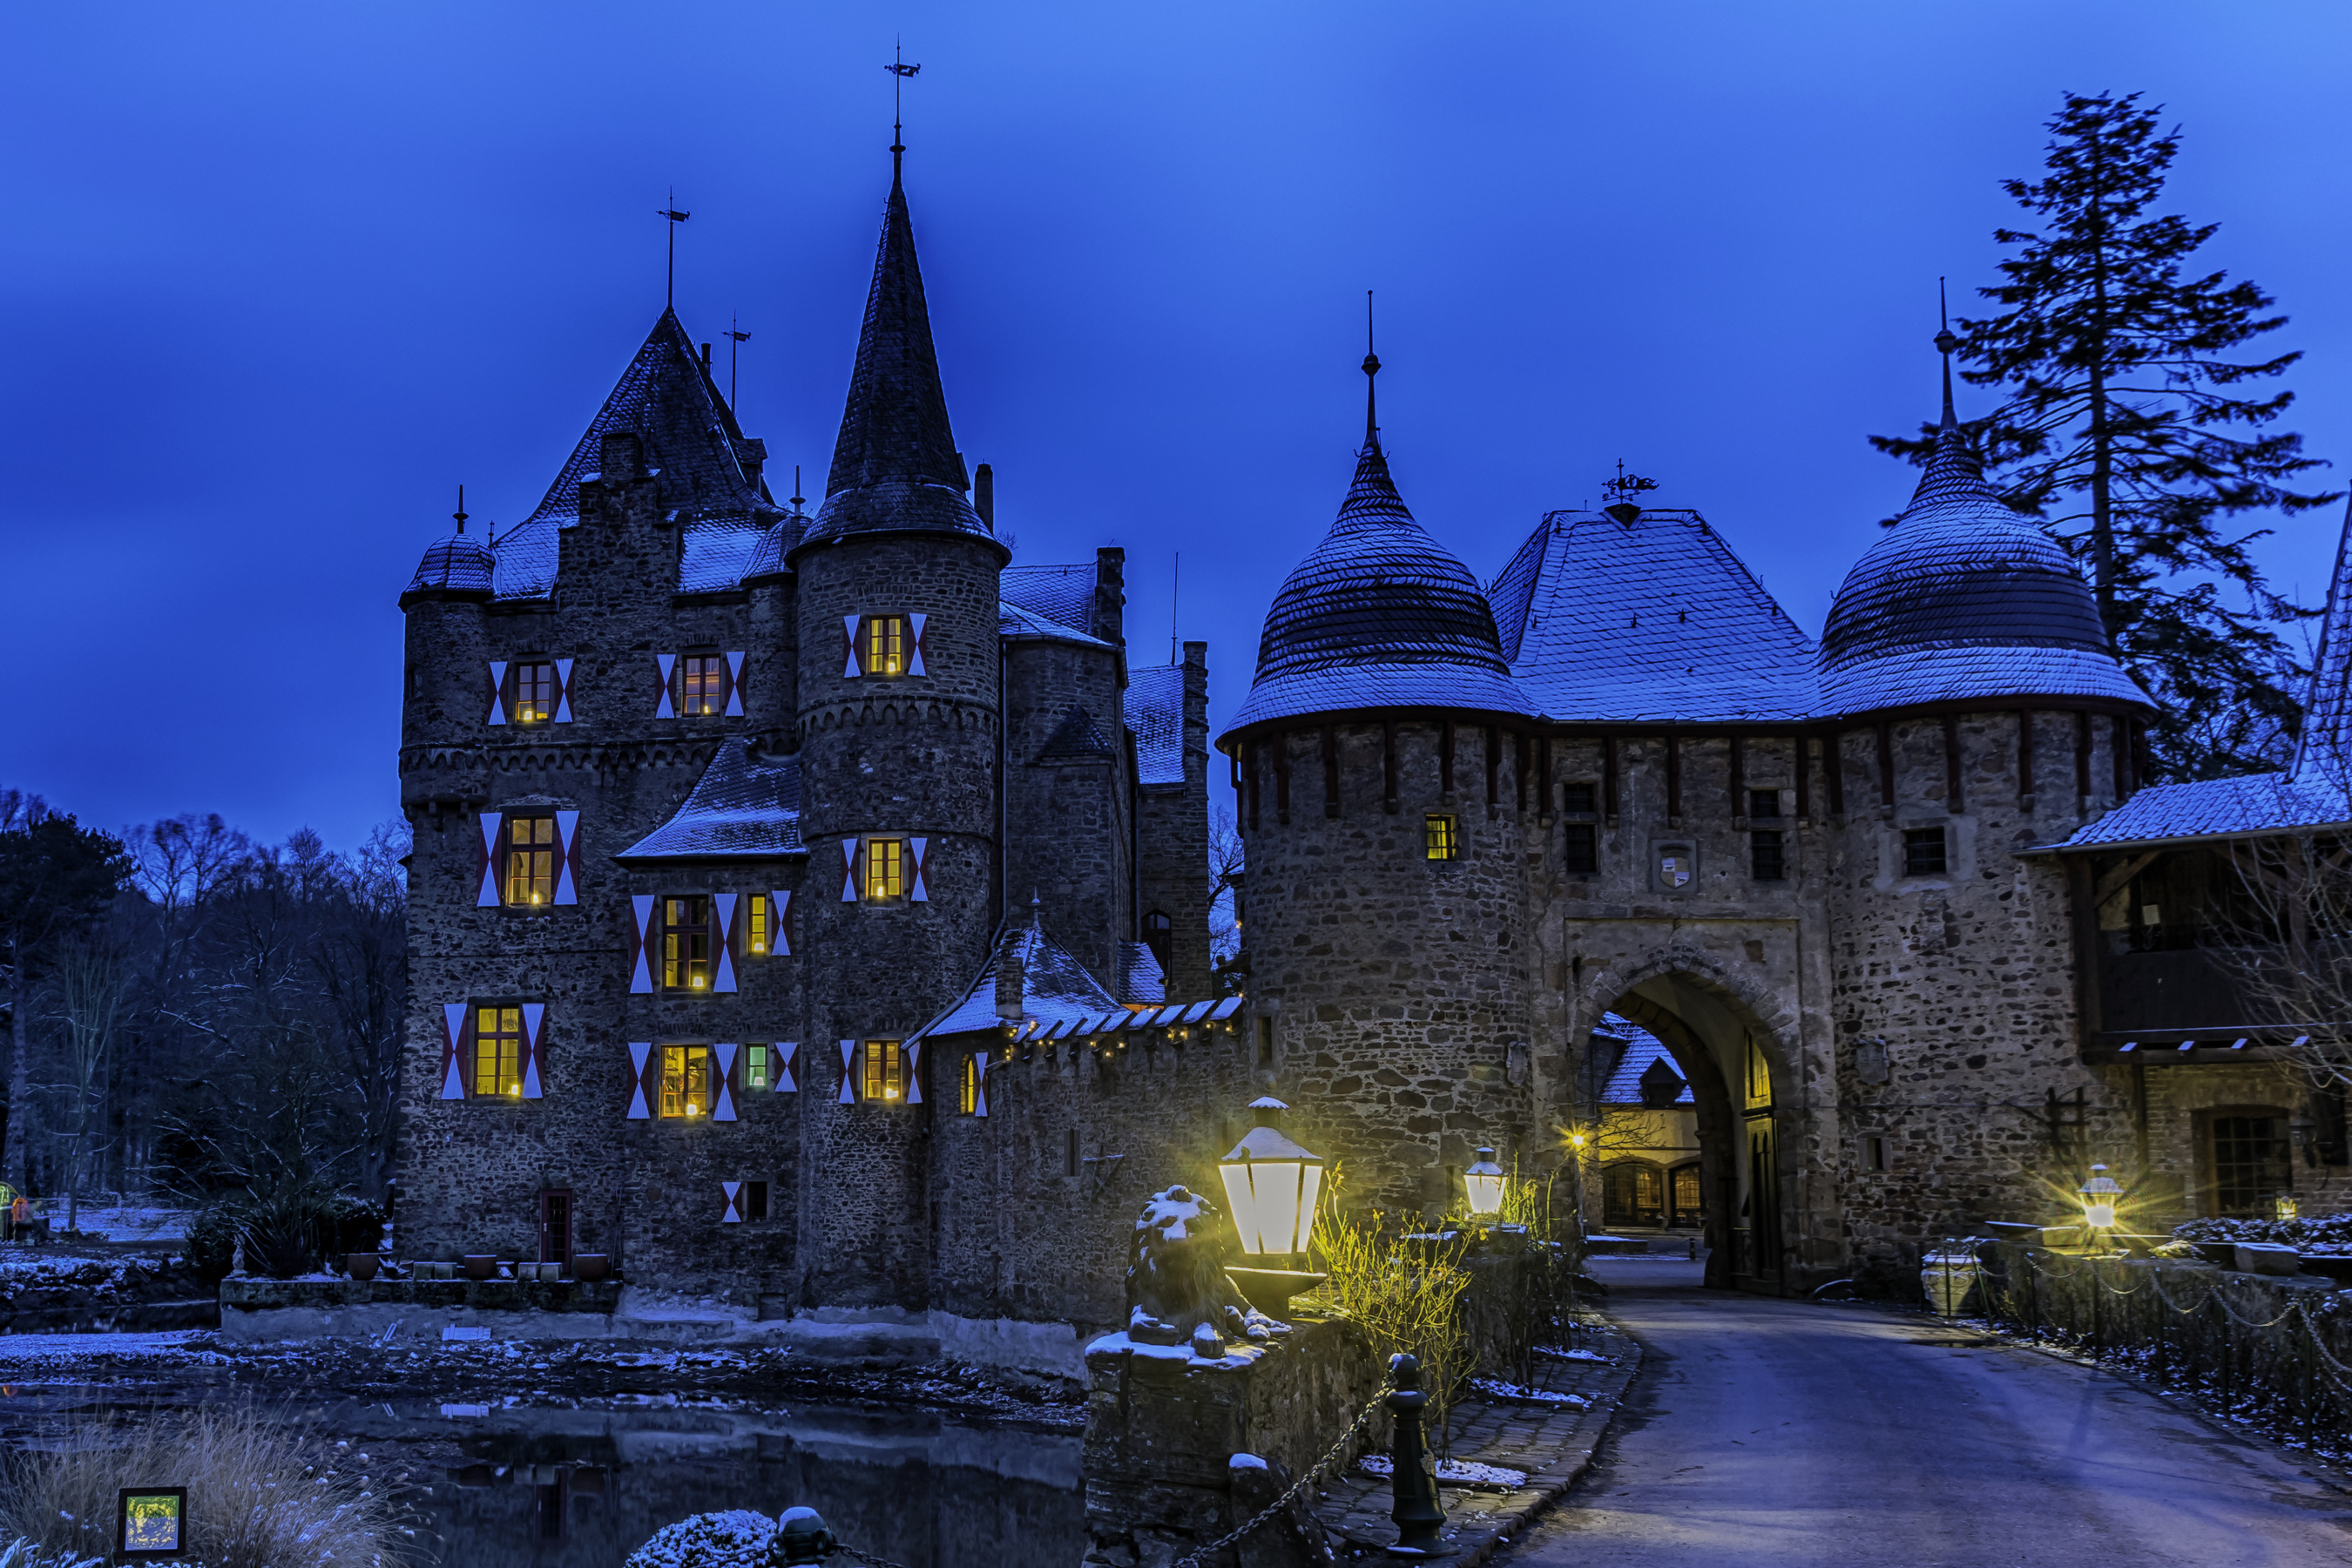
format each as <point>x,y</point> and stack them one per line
<point>736,1539</point>
<point>211,1241</point>
<point>1405,1294</point>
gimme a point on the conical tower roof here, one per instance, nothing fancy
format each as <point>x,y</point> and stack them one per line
<point>896,468</point>
<point>1965,600</point>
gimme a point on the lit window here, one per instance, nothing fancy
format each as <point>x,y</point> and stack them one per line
<point>1768,856</point>
<point>686,944</point>
<point>686,1081</point>
<point>968,1086</point>
<point>1923,852</point>
<point>497,1052</point>
<point>886,1070</point>
<point>885,645</point>
<point>702,685</point>
<point>756,1067</point>
<point>1444,840</point>
<point>1580,847</point>
<point>883,869</point>
<point>530,861</point>
<point>534,693</point>
<point>759,923</point>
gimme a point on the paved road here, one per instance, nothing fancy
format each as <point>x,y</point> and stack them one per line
<point>1765,1431</point>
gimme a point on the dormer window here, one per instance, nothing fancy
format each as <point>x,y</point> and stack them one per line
<point>885,645</point>
<point>534,693</point>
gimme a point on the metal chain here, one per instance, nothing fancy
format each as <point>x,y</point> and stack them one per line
<point>1306,1479</point>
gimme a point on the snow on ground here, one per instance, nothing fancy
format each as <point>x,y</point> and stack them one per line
<point>52,1267</point>
<point>173,1346</point>
<point>1497,1389</point>
<point>128,1223</point>
<point>1453,1473</point>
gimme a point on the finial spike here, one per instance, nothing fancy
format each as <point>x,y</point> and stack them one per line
<point>1945,343</point>
<point>461,513</point>
<point>797,497</point>
<point>669,288</point>
<point>899,72</point>
<point>1372,375</point>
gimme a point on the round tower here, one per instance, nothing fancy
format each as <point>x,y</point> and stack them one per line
<point>896,604</point>
<point>1384,756</point>
<point>445,690</point>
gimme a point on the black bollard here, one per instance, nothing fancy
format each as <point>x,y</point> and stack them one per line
<point>1414,1479</point>
<point>800,1538</point>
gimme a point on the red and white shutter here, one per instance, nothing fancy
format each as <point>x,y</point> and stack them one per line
<point>488,865</point>
<point>567,858</point>
<point>849,1073</point>
<point>563,692</point>
<point>640,920</point>
<point>726,1056</point>
<point>849,870</point>
<point>535,1048</point>
<point>980,1083</point>
<point>914,1072</point>
<point>723,906</point>
<point>916,890</point>
<point>641,1053</point>
<point>457,1026</point>
<point>734,1215</point>
<point>849,668</point>
<point>780,911</point>
<point>662,709</point>
<point>498,691</point>
<point>785,1051</point>
<point>915,654</point>
<point>735,686</point>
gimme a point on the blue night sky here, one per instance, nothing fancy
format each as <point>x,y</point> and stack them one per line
<point>275,279</point>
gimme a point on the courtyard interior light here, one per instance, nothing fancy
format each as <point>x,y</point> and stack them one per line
<point>1272,1185</point>
<point>2099,1194</point>
<point>1484,1180</point>
<point>151,1522</point>
<point>2287,1208</point>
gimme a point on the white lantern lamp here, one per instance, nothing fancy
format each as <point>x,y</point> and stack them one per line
<point>1485,1181</point>
<point>1272,1187</point>
<point>2099,1194</point>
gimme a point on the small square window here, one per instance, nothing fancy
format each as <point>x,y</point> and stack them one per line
<point>885,1065</point>
<point>530,870</point>
<point>882,870</point>
<point>1767,856</point>
<point>702,685</point>
<point>1764,803</point>
<point>885,652</point>
<point>1577,799</point>
<point>755,1200</point>
<point>686,944</point>
<point>1874,1153</point>
<point>534,698</point>
<point>1580,847</point>
<point>686,1081</point>
<point>1923,852</point>
<point>1442,836</point>
<point>497,1053</point>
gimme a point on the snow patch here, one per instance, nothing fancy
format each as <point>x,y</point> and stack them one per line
<point>1454,1473</point>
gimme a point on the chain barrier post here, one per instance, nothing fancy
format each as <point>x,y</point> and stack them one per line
<point>800,1538</point>
<point>1416,1515</point>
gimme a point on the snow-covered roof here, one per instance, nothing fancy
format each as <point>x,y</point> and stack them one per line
<point>1642,1049</point>
<point>1015,623</point>
<point>1055,988</point>
<point>1064,595</point>
<point>1155,714</point>
<point>2326,744</point>
<point>1648,619</point>
<point>1139,976</point>
<point>457,565</point>
<point>2217,809</point>
<point>745,804</point>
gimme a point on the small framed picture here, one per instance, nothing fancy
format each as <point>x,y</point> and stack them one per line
<point>151,1522</point>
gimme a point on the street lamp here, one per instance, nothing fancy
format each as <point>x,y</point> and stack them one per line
<point>2099,1194</point>
<point>1272,1186</point>
<point>1484,1178</point>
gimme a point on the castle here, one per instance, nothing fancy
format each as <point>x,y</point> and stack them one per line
<point>810,913</point>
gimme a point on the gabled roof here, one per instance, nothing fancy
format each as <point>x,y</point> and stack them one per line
<point>1062,593</point>
<point>1155,716</point>
<point>1642,1049</point>
<point>1054,987</point>
<point>2245,807</point>
<point>1141,978</point>
<point>2325,745</point>
<point>1647,620</point>
<point>743,805</point>
<point>1016,624</point>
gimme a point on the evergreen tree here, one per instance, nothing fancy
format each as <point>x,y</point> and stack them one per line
<point>2133,430</point>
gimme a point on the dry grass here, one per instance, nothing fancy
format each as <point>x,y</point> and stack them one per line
<point>1407,1297</point>
<point>261,1493</point>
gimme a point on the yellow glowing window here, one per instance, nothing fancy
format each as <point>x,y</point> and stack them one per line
<point>756,1067</point>
<point>885,645</point>
<point>530,860</point>
<point>759,923</point>
<point>686,1081</point>
<point>968,1086</point>
<point>497,1052</point>
<point>534,693</point>
<point>1443,839</point>
<point>883,868</point>
<point>884,1067</point>
<point>702,685</point>
<point>686,944</point>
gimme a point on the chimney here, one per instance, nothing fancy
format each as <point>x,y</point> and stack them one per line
<point>1009,979</point>
<point>983,495</point>
<point>706,357</point>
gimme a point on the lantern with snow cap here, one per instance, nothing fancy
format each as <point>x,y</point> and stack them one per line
<point>2099,1194</point>
<point>1484,1180</point>
<point>1272,1186</point>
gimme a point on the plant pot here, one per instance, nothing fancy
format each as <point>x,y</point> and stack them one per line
<point>591,1266</point>
<point>362,1265</point>
<point>480,1266</point>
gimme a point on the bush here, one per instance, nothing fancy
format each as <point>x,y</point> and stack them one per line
<point>736,1539</point>
<point>261,1493</point>
<point>290,1231</point>
<point>211,1242</point>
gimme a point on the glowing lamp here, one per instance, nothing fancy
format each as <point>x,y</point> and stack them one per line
<point>150,1522</point>
<point>2099,1194</point>
<point>1272,1185</point>
<point>2287,1208</point>
<point>1484,1180</point>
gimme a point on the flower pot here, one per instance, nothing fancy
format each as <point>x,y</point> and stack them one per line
<point>362,1265</point>
<point>591,1266</point>
<point>480,1266</point>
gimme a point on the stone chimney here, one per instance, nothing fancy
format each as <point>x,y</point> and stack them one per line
<point>1008,978</point>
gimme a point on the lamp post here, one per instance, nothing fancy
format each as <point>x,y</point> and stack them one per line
<point>2099,1194</point>
<point>1272,1185</point>
<point>1483,1181</point>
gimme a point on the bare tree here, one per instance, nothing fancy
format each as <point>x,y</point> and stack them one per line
<point>90,994</point>
<point>1225,862</point>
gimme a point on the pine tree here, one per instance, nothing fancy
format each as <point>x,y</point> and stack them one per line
<point>2133,433</point>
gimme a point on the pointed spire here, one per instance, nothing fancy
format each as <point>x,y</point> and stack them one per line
<point>1945,343</point>
<point>1954,473</point>
<point>1371,382</point>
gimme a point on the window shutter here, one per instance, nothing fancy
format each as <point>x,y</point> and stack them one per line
<point>849,671</point>
<point>641,1052</point>
<point>455,1026</point>
<point>488,894</point>
<point>734,1215</point>
<point>734,684</point>
<point>914,1072</point>
<point>641,968</point>
<point>781,940</point>
<point>563,692</point>
<point>498,691</point>
<point>915,654</point>
<point>662,710</point>
<point>535,1048</point>
<point>722,906</point>
<point>849,1073</point>
<point>916,891</point>
<point>849,870</point>
<point>567,858</point>
<point>785,1051</point>
<point>723,1106</point>
<point>980,1083</point>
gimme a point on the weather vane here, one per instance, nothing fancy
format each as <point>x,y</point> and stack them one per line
<point>899,72</point>
<point>1625,487</point>
<point>669,288</point>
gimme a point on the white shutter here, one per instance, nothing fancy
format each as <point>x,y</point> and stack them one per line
<point>779,908</point>
<point>498,691</point>
<point>641,977</point>
<point>723,1103</point>
<point>915,652</point>
<point>534,1018</point>
<point>723,905</point>
<point>734,684</point>
<point>849,870</point>
<point>639,1052</point>
<point>917,892</point>
<point>734,1215</point>
<point>849,671</point>
<point>914,1079</point>
<point>785,1051</point>
<point>662,709</point>
<point>563,692</point>
<point>487,895</point>
<point>980,1083</point>
<point>453,1036</point>
<point>567,834</point>
<point>849,1079</point>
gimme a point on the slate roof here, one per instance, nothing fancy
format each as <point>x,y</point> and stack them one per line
<point>1651,619</point>
<point>1077,738</point>
<point>1062,593</point>
<point>457,565</point>
<point>1054,987</point>
<point>1378,615</point>
<point>1642,1049</point>
<point>895,466</point>
<point>743,805</point>
<point>2327,741</point>
<point>1141,978</point>
<point>1018,624</point>
<point>1964,598</point>
<point>1155,716</point>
